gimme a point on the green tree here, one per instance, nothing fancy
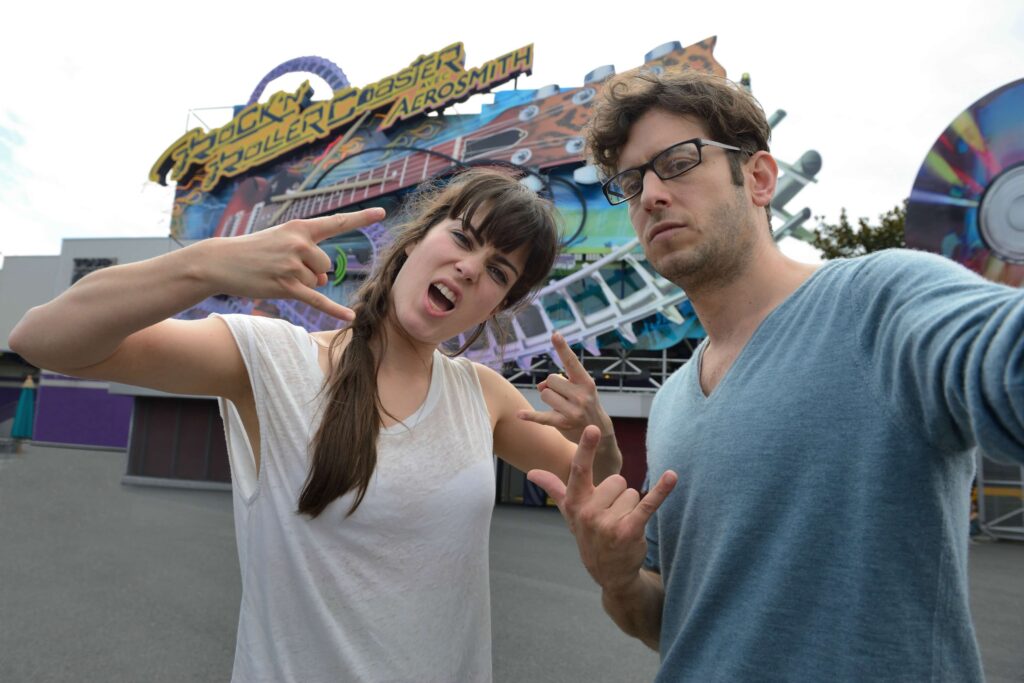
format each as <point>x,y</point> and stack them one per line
<point>843,240</point>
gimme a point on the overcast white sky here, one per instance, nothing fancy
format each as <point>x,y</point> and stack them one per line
<point>92,93</point>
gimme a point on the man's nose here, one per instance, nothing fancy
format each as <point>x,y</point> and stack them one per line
<point>653,191</point>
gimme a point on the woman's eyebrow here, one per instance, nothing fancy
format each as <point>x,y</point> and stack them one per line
<point>474,235</point>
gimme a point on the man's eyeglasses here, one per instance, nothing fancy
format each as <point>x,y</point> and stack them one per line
<point>669,163</point>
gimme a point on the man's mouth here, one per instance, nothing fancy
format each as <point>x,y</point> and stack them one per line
<point>441,297</point>
<point>662,227</point>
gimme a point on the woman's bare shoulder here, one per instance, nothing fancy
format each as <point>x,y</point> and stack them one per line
<point>325,338</point>
<point>496,387</point>
<point>324,351</point>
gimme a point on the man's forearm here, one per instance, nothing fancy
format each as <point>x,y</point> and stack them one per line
<point>636,608</point>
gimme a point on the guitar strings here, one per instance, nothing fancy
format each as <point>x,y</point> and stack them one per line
<point>299,207</point>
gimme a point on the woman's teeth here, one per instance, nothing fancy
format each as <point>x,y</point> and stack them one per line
<point>448,294</point>
<point>443,297</point>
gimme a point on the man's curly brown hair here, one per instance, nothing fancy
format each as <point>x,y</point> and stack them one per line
<point>730,113</point>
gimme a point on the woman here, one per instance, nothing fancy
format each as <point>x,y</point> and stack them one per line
<point>361,458</point>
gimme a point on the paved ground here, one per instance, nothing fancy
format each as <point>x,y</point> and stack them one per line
<point>105,582</point>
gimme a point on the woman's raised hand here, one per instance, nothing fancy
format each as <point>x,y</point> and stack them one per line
<point>284,262</point>
<point>572,397</point>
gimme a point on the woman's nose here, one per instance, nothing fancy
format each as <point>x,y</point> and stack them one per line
<point>467,269</point>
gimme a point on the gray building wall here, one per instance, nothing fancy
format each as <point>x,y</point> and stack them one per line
<point>27,281</point>
<point>67,410</point>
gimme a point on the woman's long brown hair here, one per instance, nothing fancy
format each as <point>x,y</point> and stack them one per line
<point>345,445</point>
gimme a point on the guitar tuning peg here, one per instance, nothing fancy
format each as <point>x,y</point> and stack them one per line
<point>546,91</point>
<point>586,175</point>
<point>521,156</point>
<point>532,182</point>
<point>575,145</point>
<point>601,73</point>
<point>662,50</point>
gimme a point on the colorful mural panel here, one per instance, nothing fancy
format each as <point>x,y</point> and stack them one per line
<point>384,145</point>
<point>537,130</point>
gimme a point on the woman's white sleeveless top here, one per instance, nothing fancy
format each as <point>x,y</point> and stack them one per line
<point>396,592</point>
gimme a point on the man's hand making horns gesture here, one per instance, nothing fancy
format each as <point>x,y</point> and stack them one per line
<point>608,521</point>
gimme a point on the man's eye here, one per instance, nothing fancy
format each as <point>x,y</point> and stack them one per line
<point>677,164</point>
<point>630,184</point>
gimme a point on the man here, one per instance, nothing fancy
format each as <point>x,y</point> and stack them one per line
<point>821,436</point>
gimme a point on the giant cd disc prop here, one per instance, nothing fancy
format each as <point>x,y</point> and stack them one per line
<point>968,199</point>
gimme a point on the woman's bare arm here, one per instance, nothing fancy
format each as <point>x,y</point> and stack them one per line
<point>528,439</point>
<point>113,324</point>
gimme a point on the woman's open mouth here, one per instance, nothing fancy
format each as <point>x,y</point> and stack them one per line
<point>442,298</point>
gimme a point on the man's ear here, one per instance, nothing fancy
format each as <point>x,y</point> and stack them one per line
<point>763,174</point>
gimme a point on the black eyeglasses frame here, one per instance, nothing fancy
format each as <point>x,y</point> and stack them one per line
<point>614,198</point>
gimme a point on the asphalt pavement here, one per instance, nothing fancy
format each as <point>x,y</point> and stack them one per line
<point>101,581</point>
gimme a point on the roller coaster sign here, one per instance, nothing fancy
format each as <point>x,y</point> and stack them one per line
<point>262,132</point>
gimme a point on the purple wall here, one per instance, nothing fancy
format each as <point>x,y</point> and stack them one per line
<point>80,412</point>
<point>8,401</point>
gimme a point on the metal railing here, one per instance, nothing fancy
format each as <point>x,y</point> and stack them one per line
<point>1000,498</point>
<point>614,370</point>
